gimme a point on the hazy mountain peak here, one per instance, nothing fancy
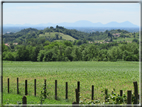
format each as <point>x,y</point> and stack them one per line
<point>81,23</point>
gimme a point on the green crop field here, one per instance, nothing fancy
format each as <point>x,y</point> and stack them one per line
<point>52,34</point>
<point>118,75</point>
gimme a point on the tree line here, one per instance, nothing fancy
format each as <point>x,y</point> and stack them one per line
<point>71,51</point>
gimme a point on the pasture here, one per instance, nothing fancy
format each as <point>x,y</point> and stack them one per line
<point>119,75</point>
<point>124,39</point>
<point>52,35</point>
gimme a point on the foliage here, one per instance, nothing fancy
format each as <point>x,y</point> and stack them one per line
<point>111,98</point>
<point>66,51</point>
<point>61,33</point>
<point>43,94</point>
<point>46,45</point>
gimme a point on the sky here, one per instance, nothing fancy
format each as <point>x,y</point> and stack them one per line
<point>38,13</point>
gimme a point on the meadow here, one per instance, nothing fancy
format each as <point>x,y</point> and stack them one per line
<point>52,35</point>
<point>119,75</point>
<point>124,39</point>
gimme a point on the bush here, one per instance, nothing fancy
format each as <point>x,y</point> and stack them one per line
<point>135,40</point>
<point>105,59</point>
<point>9,56</point>
<point>66,59</point>
<point>128,58</point>
<point>119,59</point>
<point>94,59</point>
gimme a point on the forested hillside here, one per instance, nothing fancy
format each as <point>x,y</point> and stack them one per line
<point>58,33</point>
<point>60,44</point>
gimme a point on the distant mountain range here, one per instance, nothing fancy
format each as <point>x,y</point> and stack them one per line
<point>81,23</point>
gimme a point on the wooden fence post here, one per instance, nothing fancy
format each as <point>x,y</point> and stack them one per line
<point>106,90</point>
<point>77,96</point>
<point>121,93</point>
<point>44,88</point>
<point>129,96</point>
<point>78,88</point>
<point>24,101</point>
<point>76,104</point>
<point>55,89</point>
<point>17,85</point>
<point>92,98</point>
<point>34,87</point>
<point>136,92</point>
<point>26,92</point>
<point>66,91</point>
<point>8,84</point>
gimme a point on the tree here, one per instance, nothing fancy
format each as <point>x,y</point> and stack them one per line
<point>23,54</point>
<point>68,43</point>
<point>40,55</point>
<point>79,42</point>
<point>85,55</point>
<point>114,53</point>
<point>9,56</point>
<point>135,40</point>
<point>110,35</point>
<point>122,35</point>
<point>68,51</point>
<point>4,48</point>
<point>61,53</point>
<point>134,35</point>
<point>61,37</point>
<point>55,55</point>
<point>76,54</point>
<point>57,36</point>
<point>46,43</point>
<point>48,55</point>
<point>92,51</point>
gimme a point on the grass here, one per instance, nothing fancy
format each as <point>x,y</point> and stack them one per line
<point>118,75</point>
<point>52,34</point>
<point>126,39</point>
<point>17,99</point>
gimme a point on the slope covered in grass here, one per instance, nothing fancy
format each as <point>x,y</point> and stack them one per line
<point>53,35</point>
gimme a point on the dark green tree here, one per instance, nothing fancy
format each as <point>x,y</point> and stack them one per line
<point>110,35</point>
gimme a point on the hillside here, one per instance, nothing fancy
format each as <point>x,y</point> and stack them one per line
<point>57,35</point>
<point>60,33</point>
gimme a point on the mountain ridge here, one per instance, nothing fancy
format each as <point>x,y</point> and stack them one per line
<point>80,23</point>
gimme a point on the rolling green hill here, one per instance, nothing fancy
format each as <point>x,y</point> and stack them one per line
<point>61,35</point>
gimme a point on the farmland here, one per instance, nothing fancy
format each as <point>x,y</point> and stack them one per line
<point>119,75</point>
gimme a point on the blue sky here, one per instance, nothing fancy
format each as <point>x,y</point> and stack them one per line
<point>37,13</point>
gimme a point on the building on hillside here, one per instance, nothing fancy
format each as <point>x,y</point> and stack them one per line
<point>116,34</point>
<point>15,43</point>
<point>7,44</point>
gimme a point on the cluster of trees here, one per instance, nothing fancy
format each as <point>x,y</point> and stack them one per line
<point>20,36</point>
<point>68,51</point>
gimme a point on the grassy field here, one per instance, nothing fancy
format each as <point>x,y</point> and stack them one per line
<point>118,75</point>
<point>52,34</point>
<point>126,39</point>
